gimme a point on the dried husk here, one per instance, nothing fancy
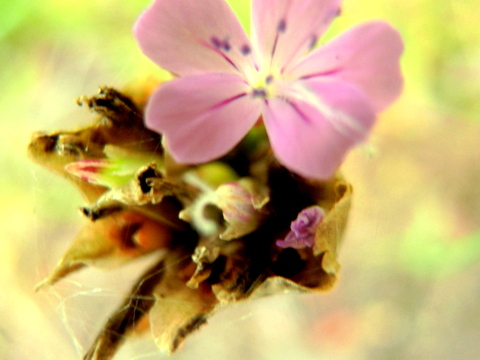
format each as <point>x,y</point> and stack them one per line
<point>195,274</point>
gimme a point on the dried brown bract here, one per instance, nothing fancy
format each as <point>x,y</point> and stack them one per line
<point>216,228</point>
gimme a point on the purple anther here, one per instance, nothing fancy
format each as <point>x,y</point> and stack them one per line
<point>313,41</point>
<point>216,42</point>
<point>226,45</point>
<point>260,92</point>
<point>282,26</point>
<point>245,50</point>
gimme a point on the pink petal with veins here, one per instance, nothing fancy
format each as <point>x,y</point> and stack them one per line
<point>191,36</point>
<point>366,56</point>
<point>286,30</point>
<point>202,116</point>
<point>312,138</point>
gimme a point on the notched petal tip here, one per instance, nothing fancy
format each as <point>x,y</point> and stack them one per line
<point>283,31</point>
<point>367,56</point>
<point>192,37</point>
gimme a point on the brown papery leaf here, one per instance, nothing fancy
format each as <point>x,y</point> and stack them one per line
<point>197,271</point>
<point>111,242</point>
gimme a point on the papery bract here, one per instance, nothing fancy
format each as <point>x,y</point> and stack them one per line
<point>315,105</point>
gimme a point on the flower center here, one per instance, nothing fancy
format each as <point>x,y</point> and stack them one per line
<point>260,93</point>
<point>264,86</point>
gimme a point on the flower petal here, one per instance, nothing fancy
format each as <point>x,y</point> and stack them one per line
<point>312,127</point>
<point>191,36</point>
<point>283,31</point>
<point>366,56</point>
<point>294,242</point>
<point>307,221</point>
<point>202,116</point>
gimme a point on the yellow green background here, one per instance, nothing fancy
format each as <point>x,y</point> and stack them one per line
<point>410,284</point>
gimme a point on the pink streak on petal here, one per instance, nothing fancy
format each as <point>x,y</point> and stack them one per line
<point>366,56</point>
<point>312,139</point>
<point>202,116</point>
<point>89,170</point>
<point>303,21</point>
<point>181,37</point>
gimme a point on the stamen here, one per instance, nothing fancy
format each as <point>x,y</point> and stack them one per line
<point>260,92</point>
<point>282,26</point>
<point>216,42</point>
<point>332,15</point>
<point>269,79</point>
<point>313,41</point>
<point>245,50</point>
<point>226,45</point>
<point>222,45</point>
<point>274,47</point>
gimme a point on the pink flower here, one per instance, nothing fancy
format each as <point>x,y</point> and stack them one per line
<point>315,104</point>
<point>302,229</point>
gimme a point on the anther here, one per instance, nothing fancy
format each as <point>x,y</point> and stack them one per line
<point>282,26</point>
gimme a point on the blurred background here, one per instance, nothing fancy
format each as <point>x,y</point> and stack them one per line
<point>409,285</point>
